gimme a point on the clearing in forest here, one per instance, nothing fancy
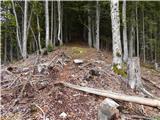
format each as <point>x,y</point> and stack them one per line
<point>29,89</point>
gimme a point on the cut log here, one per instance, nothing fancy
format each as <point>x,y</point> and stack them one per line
<point>134,72</point>
<point>114,95</point>
<point>108,110</point>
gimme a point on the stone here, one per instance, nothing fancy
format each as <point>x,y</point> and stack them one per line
<point>78,61</point>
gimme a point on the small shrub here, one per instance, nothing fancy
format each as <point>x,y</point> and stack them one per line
<point>50,48</point>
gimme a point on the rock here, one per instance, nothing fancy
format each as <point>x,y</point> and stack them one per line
<point>78,61</point>
<point>63,115</point>
<point>26,69</point>
<point>42,84</point>
<point>108,110</point>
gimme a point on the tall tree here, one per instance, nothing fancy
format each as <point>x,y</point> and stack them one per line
<point>52,22</point>
<point>59,23</point>
<point>25,30</point>
<point>137,31</point>
<point>89,28</point>
<point>55,24</point>
<point>131,41</point>
<point>17,28</point>
<point>125,42</point>
<point>47,22</point>
<point>117,49</point>
<point>39,33</point>
<point>97,24</point>
<point>144,43</point>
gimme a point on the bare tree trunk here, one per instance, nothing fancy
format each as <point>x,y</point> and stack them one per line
<point>131,41</point>
<point>151,48</point>
<point>144,44</point>
<point>89,29</point>
<point>47,23</point>
<point>134,73</point>
<point>25,31</point>
<point>97,24</point>
<point>125,42</point>
<point>117,49</point>
<point>39,34</point>
<point>59,23</point>
<point>29,23</point>
<point>52,22</point>
<point>5,47</point>
<point>17,28</point>
<point>11,49</point>
<point>34,36</point>
<point>55,24</point>
<point>137,31</point>
<point>93,33</point>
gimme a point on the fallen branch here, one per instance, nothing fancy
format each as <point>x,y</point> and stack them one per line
<point>113,95</point>
<point>154,84</point>
<point>44,116</point>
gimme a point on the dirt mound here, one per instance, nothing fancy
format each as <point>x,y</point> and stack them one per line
<point>39,97</point>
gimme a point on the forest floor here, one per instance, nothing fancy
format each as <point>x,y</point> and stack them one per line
<point>29,92</point>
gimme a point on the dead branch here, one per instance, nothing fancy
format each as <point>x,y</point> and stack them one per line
<point>114,95</point>
<point>154,84</point>
<point>44,116</point>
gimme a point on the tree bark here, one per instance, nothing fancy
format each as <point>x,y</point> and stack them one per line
<point>144,44</point>
<point>131,41</point>
<point>55,24</point>
<point>47,22</point>
<point>59,23</point>
<point>93,33</point>
<point>134,72</point>
<point>34,36</point>
<point>25,31</point>
<point>39,34</point>
<point>117,49</point>
<point>17,28</point>
<point>137,30</point>
<point>89,29</point>
<point>52,22</point>
<point>5,47</point>
<point>97,24</point>
<point>125,42</point>
<point>11,48</point>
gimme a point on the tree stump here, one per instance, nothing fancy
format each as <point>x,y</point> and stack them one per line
<point>108,110</point>
<point>134,72</point>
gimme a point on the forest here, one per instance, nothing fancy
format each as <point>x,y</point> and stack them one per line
<point>80,60</point>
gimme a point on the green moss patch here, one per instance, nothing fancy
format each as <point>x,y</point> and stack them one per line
<point>121,71</point>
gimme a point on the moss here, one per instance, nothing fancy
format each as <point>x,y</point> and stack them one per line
<point>50,48</point>
<point>121,71</point>
<point>78,51</point>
